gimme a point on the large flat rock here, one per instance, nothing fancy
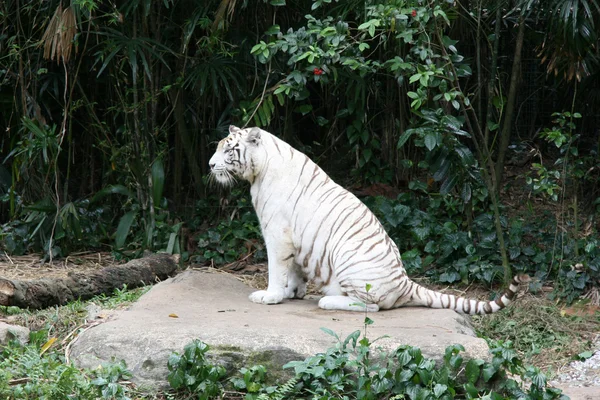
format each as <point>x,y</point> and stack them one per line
<point>215,309</point>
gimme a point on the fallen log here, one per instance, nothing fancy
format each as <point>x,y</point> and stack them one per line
<point>46,292</point>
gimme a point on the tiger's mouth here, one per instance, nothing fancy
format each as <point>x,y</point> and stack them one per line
<point>222,176</point>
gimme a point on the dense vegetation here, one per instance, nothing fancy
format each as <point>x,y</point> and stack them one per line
<point>481,114</point>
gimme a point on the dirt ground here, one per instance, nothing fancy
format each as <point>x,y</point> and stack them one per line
<point>32,266</point>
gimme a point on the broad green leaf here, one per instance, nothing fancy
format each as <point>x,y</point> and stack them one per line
<point>330,30</point>
<point>256,49</point>
<point>414,78</point>
<point>488,372</point>
<point>472,371</point>
<point>439,390</point>
<point>304,109</point>
<point>465,155</point>
<point>273,30</point>
<point>449,184</point>
<point>471,390</point>
<point>430,141</point>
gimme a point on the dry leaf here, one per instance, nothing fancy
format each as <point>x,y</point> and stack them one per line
<point>47,345</point>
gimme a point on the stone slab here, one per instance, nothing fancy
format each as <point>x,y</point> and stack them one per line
<point>215,308</point>
<point>9,332</point>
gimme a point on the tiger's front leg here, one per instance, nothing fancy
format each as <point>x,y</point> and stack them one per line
<point>296,285</point>
<point>280,254</point>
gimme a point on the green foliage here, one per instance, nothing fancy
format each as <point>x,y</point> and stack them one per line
<point>253,382</point>
<point>39,370</point>
<point>353,368</point>
<point>120,297</point>
<point>191,371</point>
<point>435,239</point>
<point>236,236</point>
<point>575,269</point>
<point>151,85</point>
<point>548,182</point>
<point>27,372</point>
<point>107,379</point>
<point>90,223</point>
<point>333,53</point>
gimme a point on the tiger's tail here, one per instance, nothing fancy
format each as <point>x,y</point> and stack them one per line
<point>430,298</point>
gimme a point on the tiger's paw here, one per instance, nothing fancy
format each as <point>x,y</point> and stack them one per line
<point>266,297</point>
<point>297,292</point>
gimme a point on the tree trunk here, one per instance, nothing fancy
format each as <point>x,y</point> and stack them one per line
<point>510,104</point>
<point>42,293</point>
<point>492,79</point>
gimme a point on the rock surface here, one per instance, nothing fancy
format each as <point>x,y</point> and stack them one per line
<point>580,380</point>
<point>215,309</point>
<point>9,332</point>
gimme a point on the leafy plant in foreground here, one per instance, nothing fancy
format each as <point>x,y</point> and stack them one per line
<point>354,369</point>
<point>32,372</point>
<point>191,372</point>
<point>252,381</point>
<point>107,380</point>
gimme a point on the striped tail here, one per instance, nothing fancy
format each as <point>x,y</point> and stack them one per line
<point>433,299</point>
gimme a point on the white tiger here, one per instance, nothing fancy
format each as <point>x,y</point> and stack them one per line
<point>316,230</point>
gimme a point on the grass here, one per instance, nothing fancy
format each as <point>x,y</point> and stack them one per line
<point>41,369</point>
<point>543,333</point>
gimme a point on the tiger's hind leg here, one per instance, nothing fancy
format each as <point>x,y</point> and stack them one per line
<point>345,303</point>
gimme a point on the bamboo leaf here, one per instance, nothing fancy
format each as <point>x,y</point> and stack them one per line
<point>109,58</point>
<point>404,137</point>
<point>158,181</point>
<point>123,228</point>
<point>112,189</point>
<point>172,241</point>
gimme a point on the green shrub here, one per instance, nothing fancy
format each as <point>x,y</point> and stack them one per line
<point>355,369</point>
<point>191,372</point>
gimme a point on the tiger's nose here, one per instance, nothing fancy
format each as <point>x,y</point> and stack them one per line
<point>211,165</point>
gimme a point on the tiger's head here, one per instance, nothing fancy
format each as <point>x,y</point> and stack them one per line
<point>236,156</point>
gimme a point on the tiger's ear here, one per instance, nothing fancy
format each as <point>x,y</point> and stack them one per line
<point>253,136</point>
<point>233,129</point>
